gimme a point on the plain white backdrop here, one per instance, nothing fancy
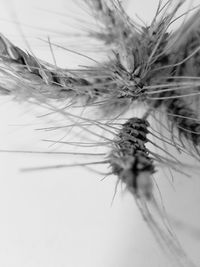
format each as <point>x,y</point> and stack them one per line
<point>62,218</point>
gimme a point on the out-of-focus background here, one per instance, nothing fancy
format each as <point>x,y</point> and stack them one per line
<point>64,217</point>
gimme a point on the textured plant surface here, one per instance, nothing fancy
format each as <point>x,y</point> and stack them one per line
<point>151,67</point>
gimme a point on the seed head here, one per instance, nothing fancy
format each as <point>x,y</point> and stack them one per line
<point>129,158</point>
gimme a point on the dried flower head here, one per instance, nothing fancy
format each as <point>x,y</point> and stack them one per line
<point>146,64</point>
<point>129,158</point>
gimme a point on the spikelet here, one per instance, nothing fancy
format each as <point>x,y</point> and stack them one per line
<point>124,78</point>
<point>138,50</point>
<point>24,76</point>
<point>130,161</point>
<point>129,158</point>
<point>184,119</point>
<point>114,24</point>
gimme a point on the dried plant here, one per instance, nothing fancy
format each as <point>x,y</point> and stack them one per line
<point>149,65</point>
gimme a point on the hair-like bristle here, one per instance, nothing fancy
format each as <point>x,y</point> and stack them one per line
<point>114,23</point>
<point>185,55</point>
<point>186,34</point>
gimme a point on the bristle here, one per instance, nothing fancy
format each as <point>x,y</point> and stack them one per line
<point>114,22</point>
<point>186,34</point>
<point>164,235</point>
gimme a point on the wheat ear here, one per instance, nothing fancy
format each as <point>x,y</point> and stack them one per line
<point>184,119</point>
<point>129,158</point>
<point>24,76</point>
<point>130,161</point>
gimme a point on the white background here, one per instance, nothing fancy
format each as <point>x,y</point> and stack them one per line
<point>63,217</point>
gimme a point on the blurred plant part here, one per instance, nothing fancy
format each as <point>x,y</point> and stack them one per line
<point>129,158</point>
<point>147,65</point>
